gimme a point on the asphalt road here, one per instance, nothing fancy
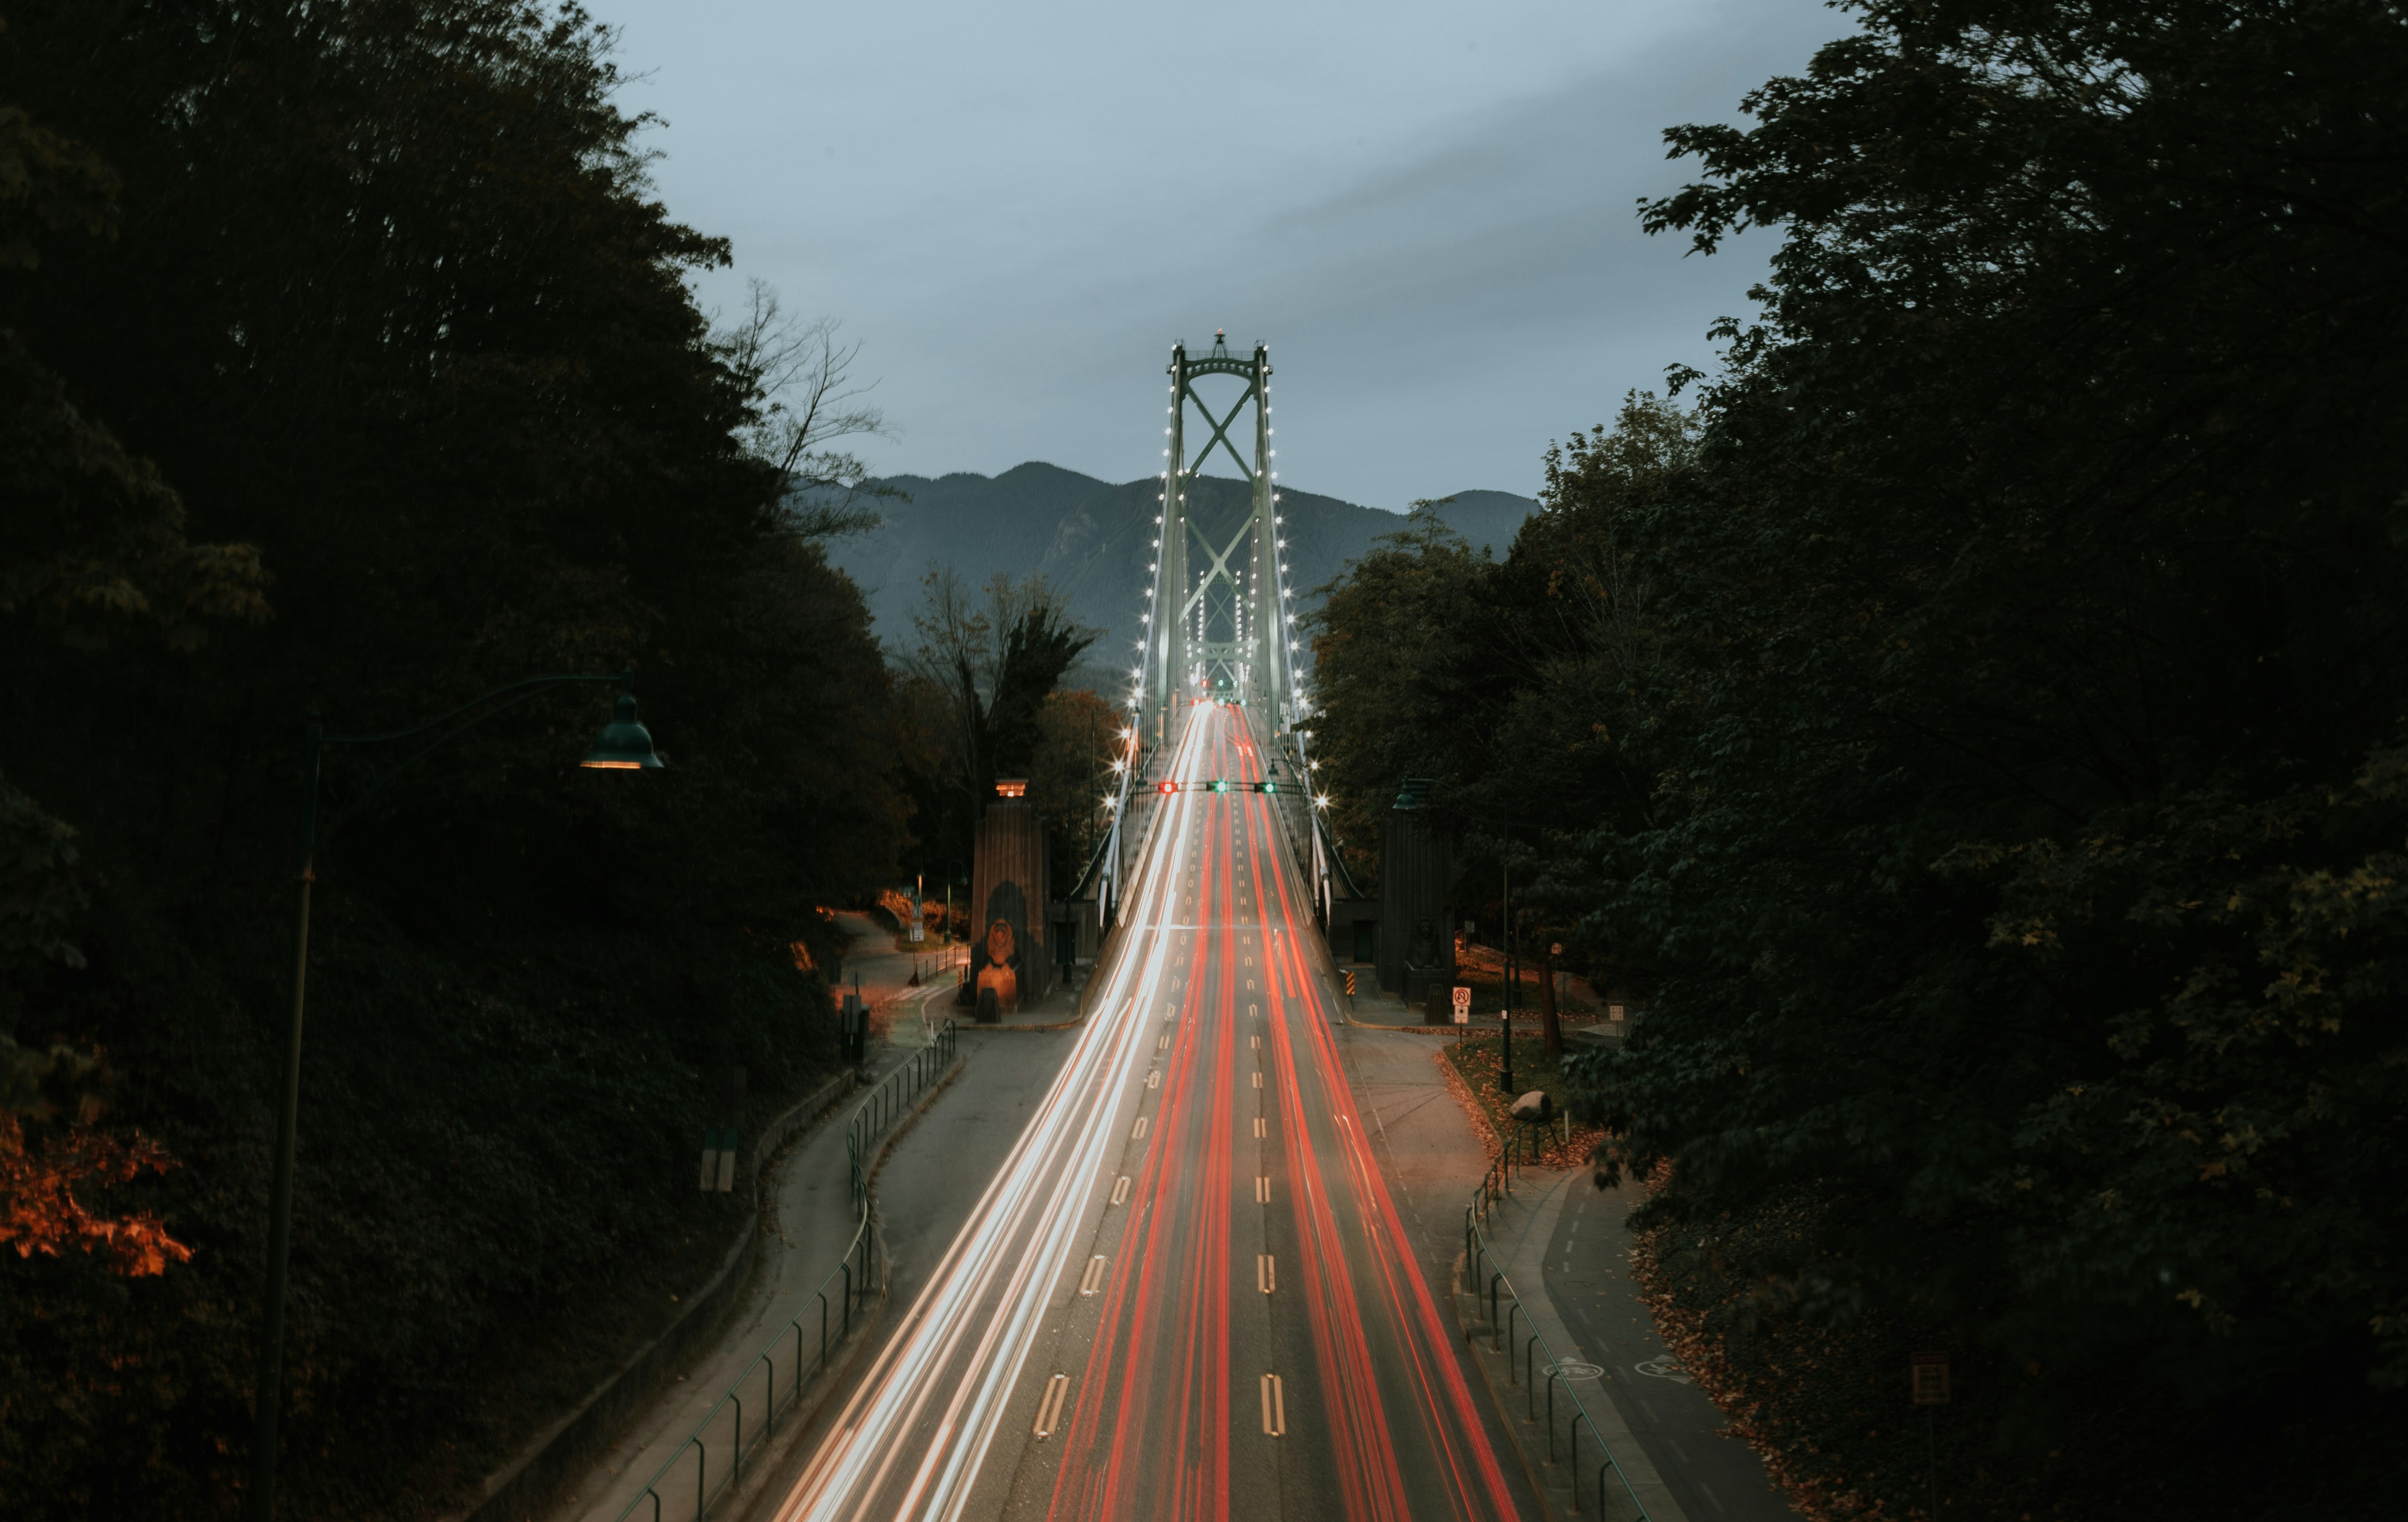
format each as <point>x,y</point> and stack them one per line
<point>1187,1291</point>
<point>936,1172</point>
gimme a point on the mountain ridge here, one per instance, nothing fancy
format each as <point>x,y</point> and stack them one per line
<point>1091,538</point>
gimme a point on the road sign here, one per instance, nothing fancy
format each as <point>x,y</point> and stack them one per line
<point>1462,1006</point>
<point>919,931</point>
<point>1930,1375</point>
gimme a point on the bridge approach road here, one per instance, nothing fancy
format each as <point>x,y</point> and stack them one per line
<point>1187,1293</point>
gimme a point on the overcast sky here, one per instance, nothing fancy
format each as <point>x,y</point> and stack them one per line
<point>1426,210</point>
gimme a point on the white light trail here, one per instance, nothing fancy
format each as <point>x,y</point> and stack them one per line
<point>995,1279</point>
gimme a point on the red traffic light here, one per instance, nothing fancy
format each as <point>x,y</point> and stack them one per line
<point>1170,787</point>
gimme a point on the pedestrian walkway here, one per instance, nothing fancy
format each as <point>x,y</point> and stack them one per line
<point>810,1225</point>
<point>1564,1246</point>
<point>885,967</point>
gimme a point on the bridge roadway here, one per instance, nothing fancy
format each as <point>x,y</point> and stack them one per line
<point>1187,1292</point>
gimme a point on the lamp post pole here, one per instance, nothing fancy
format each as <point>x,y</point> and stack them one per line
<point>270,1387</point>
<point>623,745</point>
<point>1505,958</point>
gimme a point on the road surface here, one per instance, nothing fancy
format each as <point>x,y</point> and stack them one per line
<point>1187,1292</point>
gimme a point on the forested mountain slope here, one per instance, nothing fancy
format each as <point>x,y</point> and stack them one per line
<point>1090,538</point>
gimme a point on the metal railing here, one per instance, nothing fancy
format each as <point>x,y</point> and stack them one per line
<point>1495,1187</point>
<point>857,1271</point>
<point>892,1098</point>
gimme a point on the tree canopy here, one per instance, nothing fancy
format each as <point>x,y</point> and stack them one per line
<point>1979,728</point>
<point>349,360</point>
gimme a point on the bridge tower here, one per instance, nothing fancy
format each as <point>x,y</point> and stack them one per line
<point>1221,621</point>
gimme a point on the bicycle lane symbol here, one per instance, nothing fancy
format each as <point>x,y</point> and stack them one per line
<point>1665,1366</point>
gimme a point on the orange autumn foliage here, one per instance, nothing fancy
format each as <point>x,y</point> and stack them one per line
<point>39,1211</point>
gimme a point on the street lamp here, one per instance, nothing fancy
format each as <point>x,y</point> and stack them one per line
<point>624,745</point>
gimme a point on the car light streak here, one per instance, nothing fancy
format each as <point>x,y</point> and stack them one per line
<point>1013,1246</point>
<point>1135,1416</point>
<point>1450,1421</point>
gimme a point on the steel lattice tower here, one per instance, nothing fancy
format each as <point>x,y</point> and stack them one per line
<point>1220,619</point>
<point>1219,622</point>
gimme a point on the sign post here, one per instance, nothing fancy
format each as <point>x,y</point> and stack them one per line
<point>1928,1373</point>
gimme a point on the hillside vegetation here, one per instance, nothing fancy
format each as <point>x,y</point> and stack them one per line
<point>1976,730</point>
<point>1089,538</point>
<point>348,359</point>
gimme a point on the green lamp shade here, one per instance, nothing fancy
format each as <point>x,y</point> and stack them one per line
<point>624,745</point>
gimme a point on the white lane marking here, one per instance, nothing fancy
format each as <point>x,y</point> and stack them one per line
<point>1011,1251</point>
<point>1275,1407</point>
<point>1262,1189</point>
<point>1093,1279</point>
<point>1120,1191</point>
<point>1265,1272</point>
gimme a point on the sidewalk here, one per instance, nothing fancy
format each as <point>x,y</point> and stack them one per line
<point>810,1225</point>
<point>899,1012</point>
<point>884,972</point>
<point>808,1229</point>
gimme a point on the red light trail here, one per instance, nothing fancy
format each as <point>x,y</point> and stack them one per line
<point>1189,1292</point>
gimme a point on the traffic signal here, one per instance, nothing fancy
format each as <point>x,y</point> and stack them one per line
<point>1170,787</point>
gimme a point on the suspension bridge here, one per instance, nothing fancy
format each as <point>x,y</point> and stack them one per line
<point>1187,1291</point>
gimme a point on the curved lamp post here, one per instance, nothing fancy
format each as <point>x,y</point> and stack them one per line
<point>624,745</point>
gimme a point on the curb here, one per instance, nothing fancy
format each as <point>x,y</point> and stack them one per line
<point>930,998</point>
<point>1424,1028</point>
